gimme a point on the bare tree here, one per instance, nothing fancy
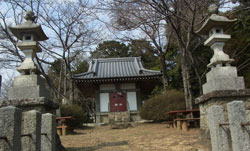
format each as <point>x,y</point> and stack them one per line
<point>182,17</point>
<point>69,25</point>
<point>6,85</point>
<point>128,16</point>
<point>10,56</point>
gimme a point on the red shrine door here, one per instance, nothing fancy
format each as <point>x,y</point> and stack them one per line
<point>118,102</point>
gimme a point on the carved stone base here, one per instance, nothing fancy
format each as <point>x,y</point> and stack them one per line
<point>28,86</point>
<point>41,104</point>
<point>119,119</point>
<point>223,78</point>
<point>219,98</point>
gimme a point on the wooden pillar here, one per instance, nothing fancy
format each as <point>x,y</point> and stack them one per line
<point>184,125</point>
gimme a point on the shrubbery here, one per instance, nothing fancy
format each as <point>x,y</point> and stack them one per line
<point>79,115</point>
<point>155,108</point>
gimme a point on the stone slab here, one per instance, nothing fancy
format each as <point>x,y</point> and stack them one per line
<point>223,78</point>
<point>239,133</point>
<point>41,104</point>
<point>224,83</point>
<point>119,119</point>
<point>225,71</point>
<point>10,128</point>
<point>28,80</point>
<point>28,92</point>
<point>231,94</point>
<point>219,137</point>
<point>48,138</point>
<point>219,98</point>
<point>31,131</point>
<point>103,117</point>
<point>28,86</point>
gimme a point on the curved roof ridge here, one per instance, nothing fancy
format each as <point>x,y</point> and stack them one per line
<point>117,68</point>
<point>144,69</point>
<point>136,63</point>
<point>116,59</point>
<point>82,74</point>
<point>148,70</point>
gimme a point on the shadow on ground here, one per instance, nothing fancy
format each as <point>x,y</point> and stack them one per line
<point>73,132</point>
<point>99,146</point>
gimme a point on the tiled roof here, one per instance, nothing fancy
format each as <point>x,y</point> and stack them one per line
<point>128,67</point>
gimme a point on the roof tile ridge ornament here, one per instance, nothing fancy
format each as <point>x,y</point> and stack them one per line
<point>90,62</point>
<point>95,66</point>
<point>142,67</point>
<point>137,65</point>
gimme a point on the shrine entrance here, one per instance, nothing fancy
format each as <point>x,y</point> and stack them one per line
<point>118,102</point>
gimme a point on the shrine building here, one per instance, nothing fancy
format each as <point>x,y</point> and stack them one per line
<point>117,85</point>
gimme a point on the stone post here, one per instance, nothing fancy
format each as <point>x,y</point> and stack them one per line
<point>239,133</point>
<point>219,138</point>
<point>10,128</point>
<point>31,131</point>
<point>48,138</point>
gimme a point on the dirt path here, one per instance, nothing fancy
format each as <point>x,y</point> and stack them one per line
<point>143,137</point>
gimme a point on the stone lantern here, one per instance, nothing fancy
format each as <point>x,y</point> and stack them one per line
<point>223,83</point>
<point>222,76</point>
<point>29,33</point>
<point>29,90</point>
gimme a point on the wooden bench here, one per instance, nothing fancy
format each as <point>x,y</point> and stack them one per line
<point>170,124</point>
<point>183,123</point>
<point>61,130</point>
<point>181,118</point>
<point>62,127</point>
<point>183,111</point>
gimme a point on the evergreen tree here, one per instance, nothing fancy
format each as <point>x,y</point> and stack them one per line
<point>111,49</point>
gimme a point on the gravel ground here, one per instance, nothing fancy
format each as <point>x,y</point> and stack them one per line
<point>143,137</point>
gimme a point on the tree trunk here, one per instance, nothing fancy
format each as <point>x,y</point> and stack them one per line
<point>186,83</point>
<point>164,72</point>
<point>71,91</point>
<point>195,67</point>
<point>65,80</point>
<point>199,80</point>
<point>59,83</point>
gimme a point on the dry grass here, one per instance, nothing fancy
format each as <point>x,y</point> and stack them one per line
<point>143,137</point>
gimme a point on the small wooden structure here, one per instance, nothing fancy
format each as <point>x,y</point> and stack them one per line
<point>62,126</point>
<point>180,120</point>
<point>117,85</point>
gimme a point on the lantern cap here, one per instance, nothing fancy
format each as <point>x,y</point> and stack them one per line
<point>29,27</point>
<point>215,21</point>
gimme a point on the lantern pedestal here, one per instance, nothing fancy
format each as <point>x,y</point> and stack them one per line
<point>223,78</point>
